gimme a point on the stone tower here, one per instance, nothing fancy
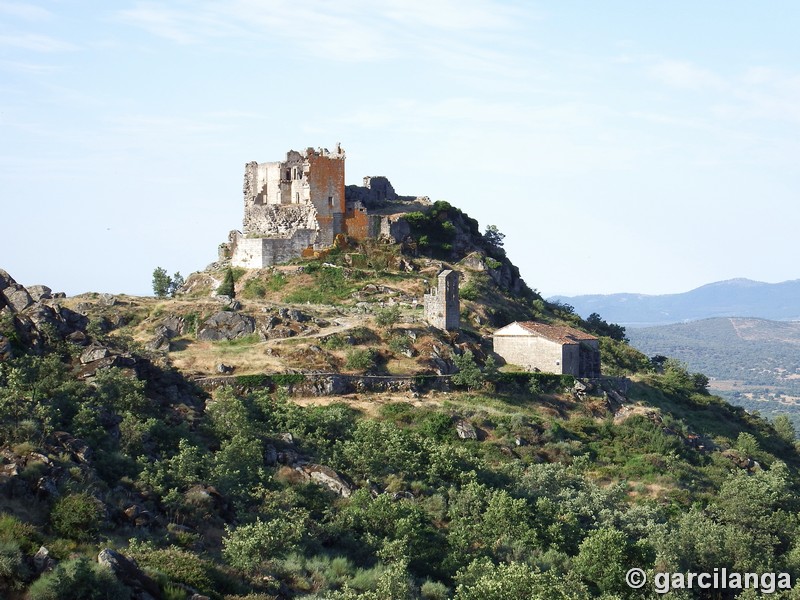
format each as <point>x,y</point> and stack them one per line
<point>442,309</point>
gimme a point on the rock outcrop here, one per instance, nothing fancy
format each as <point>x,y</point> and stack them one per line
<point>226,325</point>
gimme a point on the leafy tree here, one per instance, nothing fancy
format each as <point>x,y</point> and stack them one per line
<point>119,392</point>
<point>658,361</point>
<point>785,428</point>
<point>469,373</point>
<point>227,287</point>
<point>238,466</point>
<point>380,448</point>
<point>493,236</point>
<point>604,558</point>
<point>490,371</point>
<point>228,415</point>
<point>247,546</point>
<point>37,389</point>
<point>176,283</point>
<point>747,444</point>
<point>483,580</point>
<point>600,326</point>
<point>162,283</point>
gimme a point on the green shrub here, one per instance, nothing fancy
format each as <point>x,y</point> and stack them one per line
<point>469,291</point>
<point>173,592</point>
<point>254,288</point>
<point>13,570</point>
<point>24,534</point>
<point>77,516</point>
<point>178,566</point>
<point>277,282</point>
<point>253,381</point>
<point>619,359</point>
<point>387,318</point>
<point>434,590</point>
<point>78,579</point>
<point>334,342</point>
<point>287,379</point>
<point>360,359</point>
<point>190,321</point>
<point>438,425</point>
<point>330,284</point>
<point>247,546</point>
<point>399,343</point>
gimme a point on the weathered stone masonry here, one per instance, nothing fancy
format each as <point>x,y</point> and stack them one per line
<point>442,306</point>
<point>548,348</point>
<point>302,203</point>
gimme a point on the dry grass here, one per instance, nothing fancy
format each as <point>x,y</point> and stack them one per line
<point>203,357</point>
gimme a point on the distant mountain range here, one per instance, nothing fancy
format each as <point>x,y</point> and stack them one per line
<point>754,363</point>
<point>731,298</point>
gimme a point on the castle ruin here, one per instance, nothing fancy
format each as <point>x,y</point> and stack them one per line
<point>442,308</point>
<point>301,204</point>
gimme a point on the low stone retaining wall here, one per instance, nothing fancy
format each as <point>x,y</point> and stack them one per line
<point>338,384</point>
<point>329,384</point>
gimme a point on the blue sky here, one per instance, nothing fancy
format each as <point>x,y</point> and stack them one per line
<point>620,146</point>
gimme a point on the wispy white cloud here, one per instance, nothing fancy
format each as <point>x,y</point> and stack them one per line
<point>158,125</point>
<point>23,10</point>
<point>686,75</point>
<point>26,67</point>
<point>466,15</point>
<point>190,25</point>
<point>754,93</point>
<point>348,30</point>
<point>36,42</point>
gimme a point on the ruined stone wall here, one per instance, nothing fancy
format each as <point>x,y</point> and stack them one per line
<point>394,227</point>
<point>275,220</point>
<point>361,225</point>
<point>571,360</point>
<point>257,253</point>
<point>441,305</point>
<point>452,304</point>
<point>325,181</point>
<point>531,353</point>
<point>582,360</point>
<point>376,191</point>
<point>271,184</point>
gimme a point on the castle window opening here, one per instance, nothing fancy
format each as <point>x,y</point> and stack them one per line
<point>297,197</point>
<point>288,174</point>
<point>330,200</point>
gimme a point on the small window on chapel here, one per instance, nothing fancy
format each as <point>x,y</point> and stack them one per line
<point>297,197</point>
<point>330,201</point>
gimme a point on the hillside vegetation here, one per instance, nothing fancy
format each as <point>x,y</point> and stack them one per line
<point>132,430</point>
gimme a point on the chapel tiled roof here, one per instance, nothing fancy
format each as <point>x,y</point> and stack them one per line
<point>557,333</point>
